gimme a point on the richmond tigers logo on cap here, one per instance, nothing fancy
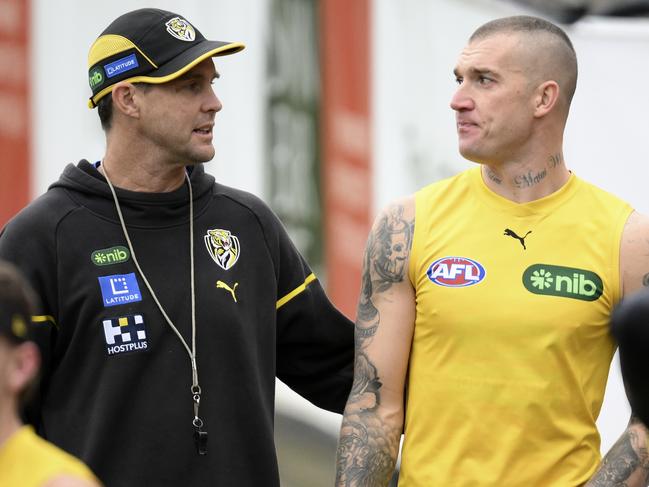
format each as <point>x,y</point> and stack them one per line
<point>181,29</point>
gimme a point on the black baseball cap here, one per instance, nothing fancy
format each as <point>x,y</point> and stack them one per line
<point>16,304</point>
<point>148,46</point>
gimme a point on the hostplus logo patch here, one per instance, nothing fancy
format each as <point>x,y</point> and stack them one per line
<point>567,282</point>
<point>119,289</point>
<point>112,255</point>
<point>125,334</point>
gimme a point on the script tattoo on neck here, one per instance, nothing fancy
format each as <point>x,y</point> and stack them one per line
<point>528,180</point>
<point>492,175</point>
<point>368,447</point>
<point>555,160</point>
<point>626,461</point>
<point>645,280</point>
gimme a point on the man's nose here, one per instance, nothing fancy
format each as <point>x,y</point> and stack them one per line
<point>213,103</point>
<point>461,100</point>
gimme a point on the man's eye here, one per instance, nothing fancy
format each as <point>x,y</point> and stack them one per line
<point>483,80</point>
<point>459,80</point>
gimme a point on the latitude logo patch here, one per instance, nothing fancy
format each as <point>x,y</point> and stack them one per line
<point>223,247</point>
<point>566,282</point>
<point>456,272</point>
<point>121,66</point>
<point>181,29</point>
<point>111,255</point>
<point>125,334</point>
<point>119,289</point>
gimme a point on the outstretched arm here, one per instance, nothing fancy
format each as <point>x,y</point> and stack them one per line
<point>373,418</point>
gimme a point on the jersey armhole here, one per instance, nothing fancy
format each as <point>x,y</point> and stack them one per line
<point>616,276</point>
<point>413,259</point>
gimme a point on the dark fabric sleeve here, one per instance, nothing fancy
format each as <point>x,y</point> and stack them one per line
<point>315,349</point>
<point>27,241</point>
<point>315,342</point>
<point>630,327</point>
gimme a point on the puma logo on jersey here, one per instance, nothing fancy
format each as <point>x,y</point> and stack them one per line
<point>512,233</point>
<point>231,290</point>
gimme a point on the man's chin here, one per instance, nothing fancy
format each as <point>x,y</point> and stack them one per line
<point>470,155</point>
<point>201,157</point>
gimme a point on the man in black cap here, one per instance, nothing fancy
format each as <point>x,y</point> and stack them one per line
<point>170,302</point>
<point>25,459</point>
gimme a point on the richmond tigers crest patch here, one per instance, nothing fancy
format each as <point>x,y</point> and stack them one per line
<point>181,29</point>
<point>223,247</point>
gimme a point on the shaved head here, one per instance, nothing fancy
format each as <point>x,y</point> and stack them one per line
<point>545,50</point>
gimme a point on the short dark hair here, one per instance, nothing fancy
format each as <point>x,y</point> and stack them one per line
<point>105,112</point>
<point>521,23</point>
<point>534,25</point>
<point>17,302</point>
<point>105,107</point>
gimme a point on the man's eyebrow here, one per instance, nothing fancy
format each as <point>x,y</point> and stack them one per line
<point>476,71</point>
<point>481,71</point>
<point>190,75</point>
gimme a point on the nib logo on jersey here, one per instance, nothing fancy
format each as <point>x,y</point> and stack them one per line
<point>119,289</point>
<point>456,272</point>
<point>566,282</point>
<point>125,334</point>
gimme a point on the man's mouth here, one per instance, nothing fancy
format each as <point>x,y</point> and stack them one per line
<point>204,129</point>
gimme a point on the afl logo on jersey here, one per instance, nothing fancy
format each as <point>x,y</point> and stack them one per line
<point>456,272</point>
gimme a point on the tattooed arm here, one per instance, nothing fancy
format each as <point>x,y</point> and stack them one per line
<point>634,254</point>
<point>627,462</point>
<point>373,418</point>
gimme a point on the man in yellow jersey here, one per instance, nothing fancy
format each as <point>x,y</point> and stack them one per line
<point>26,460</point>
<point>482,329</point>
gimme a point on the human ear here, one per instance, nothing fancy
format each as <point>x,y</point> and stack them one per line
<point>24,365</point>
<point>546,97</point>
<point>124,99</point>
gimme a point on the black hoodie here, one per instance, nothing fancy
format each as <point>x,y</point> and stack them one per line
<point>116,380</point>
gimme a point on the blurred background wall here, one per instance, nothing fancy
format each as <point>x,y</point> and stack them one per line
<point>335,108</point>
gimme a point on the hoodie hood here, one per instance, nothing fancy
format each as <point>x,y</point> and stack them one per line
<point>85,185</point>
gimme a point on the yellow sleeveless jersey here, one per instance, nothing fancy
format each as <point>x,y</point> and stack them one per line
<point>511,347</point>
<point>26,460</point>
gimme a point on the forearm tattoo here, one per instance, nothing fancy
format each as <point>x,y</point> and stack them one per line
<point>368,447</point>
<point>627,463</point>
